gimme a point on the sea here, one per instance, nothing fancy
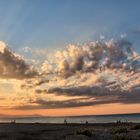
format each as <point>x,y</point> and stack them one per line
<point>74,119</point>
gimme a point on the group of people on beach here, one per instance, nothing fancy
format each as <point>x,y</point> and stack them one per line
<point>13,121</point>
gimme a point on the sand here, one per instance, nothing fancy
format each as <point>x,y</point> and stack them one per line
<point>37,131</point>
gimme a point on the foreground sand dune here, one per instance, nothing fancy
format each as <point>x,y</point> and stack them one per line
<point>37,131</point>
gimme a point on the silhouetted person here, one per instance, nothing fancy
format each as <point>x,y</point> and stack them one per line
<point>118,122</point>
<point>65,121</point>
<point>13,121</point>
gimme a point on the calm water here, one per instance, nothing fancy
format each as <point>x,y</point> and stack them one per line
<point>79,119</point>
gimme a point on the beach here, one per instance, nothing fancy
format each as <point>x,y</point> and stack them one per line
<point>97,131</point>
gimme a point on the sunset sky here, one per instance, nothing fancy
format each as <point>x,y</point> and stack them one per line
<point>69,57</point>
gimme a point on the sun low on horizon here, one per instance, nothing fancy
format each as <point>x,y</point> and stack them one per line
<point>69,58</point>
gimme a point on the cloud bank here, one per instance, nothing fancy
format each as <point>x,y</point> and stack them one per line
<point>94,73</point>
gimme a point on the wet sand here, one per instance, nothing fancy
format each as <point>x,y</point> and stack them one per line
<point>38,131</point>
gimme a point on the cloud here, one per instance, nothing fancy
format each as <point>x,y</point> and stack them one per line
<point>94,91</point>
<point>95,55</point>
<point>13,65</point>
<point>94,73</point>
<point>35,52</point>
<point>89,95</point>
<point>125,98</point>
<point>107,72</point>
<point>46,67</point>
<point>42,104</point>
<point>2,46</point>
